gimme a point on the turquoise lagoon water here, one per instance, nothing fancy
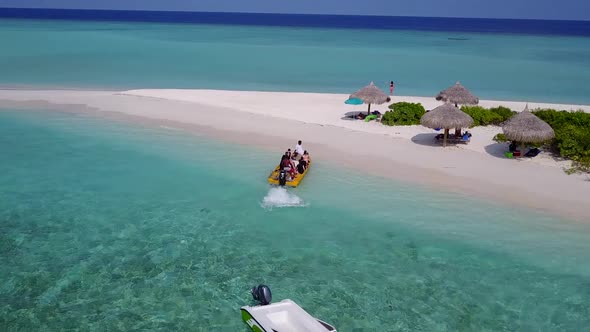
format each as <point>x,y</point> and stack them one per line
<point>77,54</point>
<point>107,227</point>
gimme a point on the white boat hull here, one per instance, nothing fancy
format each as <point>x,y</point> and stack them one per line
<point>284,316</point>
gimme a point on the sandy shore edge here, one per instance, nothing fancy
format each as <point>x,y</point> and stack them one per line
<point>274,121</point>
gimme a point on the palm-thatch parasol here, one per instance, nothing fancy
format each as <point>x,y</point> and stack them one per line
<point>457,94</point>
<point>371,94</point>
<point>446,116</point>
<point>525,127</point>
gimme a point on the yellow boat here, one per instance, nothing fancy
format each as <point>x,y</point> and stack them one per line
<point>273,178</point>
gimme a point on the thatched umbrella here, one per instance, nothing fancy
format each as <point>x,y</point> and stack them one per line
<point>457,94</point>
<point>525,127</point>
<point>446,116</point>
<point>371,95</point>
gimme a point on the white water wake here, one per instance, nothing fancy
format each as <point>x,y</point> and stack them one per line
<point>280,197</point>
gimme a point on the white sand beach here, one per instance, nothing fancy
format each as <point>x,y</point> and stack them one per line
<point>275,120</point>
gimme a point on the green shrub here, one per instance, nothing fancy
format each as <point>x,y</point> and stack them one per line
<point>482,116</point>
<point>504,112</point>
<point>572,135</point>
<point>558,119</point>
<point>488,116</point>
<point>501,138</point>
<point>403,114</point>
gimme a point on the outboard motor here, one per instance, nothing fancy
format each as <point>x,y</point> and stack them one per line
<point>282,177</point>
<point>261,294</point>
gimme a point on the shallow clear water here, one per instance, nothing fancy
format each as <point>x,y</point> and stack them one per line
<point>107,226</point>
<point>156,55</point>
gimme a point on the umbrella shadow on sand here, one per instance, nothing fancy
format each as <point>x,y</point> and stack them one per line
<point>351,115</point>
<point>426,139</point>
<point>497,149</point>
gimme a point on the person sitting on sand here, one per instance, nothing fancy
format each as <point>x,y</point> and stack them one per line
<point>512,146</point>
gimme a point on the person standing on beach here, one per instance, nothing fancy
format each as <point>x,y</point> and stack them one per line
<point>391,87</point>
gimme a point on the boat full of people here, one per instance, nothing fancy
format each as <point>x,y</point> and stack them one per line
<point>292,168</point>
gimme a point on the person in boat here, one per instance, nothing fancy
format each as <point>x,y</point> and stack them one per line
<point>295,161</point>
<point>285,161</point>
<point>287,165</point>
<point>288,153</point>
<point>301,166</point>
<point>282,158</point>
<point>305,157</point>
<point>298,148</point>
<point>295,158</point>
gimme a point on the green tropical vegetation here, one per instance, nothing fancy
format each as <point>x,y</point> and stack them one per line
<point>488,116</point>
<point>572,136</point>
<point>403,114</point>
<point>572,129</point>
<point>501,138</point>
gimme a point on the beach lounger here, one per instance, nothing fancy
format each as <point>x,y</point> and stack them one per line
<point>453,139</point>
<point>532,153</point>
<point>375,115</point>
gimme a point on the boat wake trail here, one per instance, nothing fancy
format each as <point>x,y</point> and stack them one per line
<point>279,197</point>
